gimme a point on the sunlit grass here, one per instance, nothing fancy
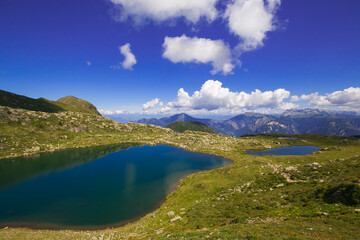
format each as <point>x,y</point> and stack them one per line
<point>246,200</point>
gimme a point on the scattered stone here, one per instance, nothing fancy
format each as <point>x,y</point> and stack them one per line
<point>357,210</point>
<point>171,213</point>
<point>280,185</point>
<point>159,231</point>
<point>33,149</point>
<point>291,168</point>
<point>175,219</point>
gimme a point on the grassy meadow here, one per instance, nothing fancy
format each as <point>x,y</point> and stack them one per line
<point>257,197</point>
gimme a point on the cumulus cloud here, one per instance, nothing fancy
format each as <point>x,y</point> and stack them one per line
<point>348,98</point>
<point>130,59</point>
<point>199,50</point>
<point>109,112</point>
<point>214,99</point>
<point>152,104</point>
<point>213,96</point>
<point>250,20</point>
<point>162,10</point>
<point>313,99</point>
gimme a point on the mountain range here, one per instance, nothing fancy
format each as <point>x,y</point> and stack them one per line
<point>304,121</point>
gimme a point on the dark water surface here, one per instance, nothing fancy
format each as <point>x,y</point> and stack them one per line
<point>95,186</point>
<point>296,150</point>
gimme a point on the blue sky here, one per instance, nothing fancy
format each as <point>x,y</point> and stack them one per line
<point>298,54</point>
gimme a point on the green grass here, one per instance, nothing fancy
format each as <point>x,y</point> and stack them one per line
<point>190,126</point>
<point>257,197</point>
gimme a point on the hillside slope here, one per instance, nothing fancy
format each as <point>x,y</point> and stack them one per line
<point>68,103</point>
<point>24,132</point>
<point>73,104</point>
<point>191,126</point>
<point>18,101</point>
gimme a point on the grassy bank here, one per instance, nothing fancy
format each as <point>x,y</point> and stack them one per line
<point>257,197</point>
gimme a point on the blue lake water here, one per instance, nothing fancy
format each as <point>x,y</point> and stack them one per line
<point>296,150</point>
<point>93,187</point>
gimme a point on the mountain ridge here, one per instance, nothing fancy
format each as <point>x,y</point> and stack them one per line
<point>296,121</point>
<point>68,103</point>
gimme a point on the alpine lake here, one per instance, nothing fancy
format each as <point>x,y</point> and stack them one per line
<point>295,151</point>
<point>95,187</point>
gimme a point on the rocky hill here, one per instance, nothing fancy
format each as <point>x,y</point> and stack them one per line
<point>306,121</point>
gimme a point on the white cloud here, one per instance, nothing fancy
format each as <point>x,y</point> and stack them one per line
<point>214,99</point>
<point>287,106</point>
<point>348,98</point>
<point>199,50</point>
<point>152,104</point>
<point>162,10</point>
<point>108,112</point>
<point>88,63</point>
<point>313,99</point>
<point>213,96</point>
<point>251,20</point>
<point>130,59</point>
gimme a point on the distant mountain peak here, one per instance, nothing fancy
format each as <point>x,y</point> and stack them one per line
<point>295,121</point>
<point>254,114</point>
<point>322,112</point>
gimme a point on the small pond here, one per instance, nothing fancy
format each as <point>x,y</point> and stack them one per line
<point>296,150</point>
<point>92,187</point>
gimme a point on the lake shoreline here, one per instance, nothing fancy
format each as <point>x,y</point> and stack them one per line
<point>58,227</point>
